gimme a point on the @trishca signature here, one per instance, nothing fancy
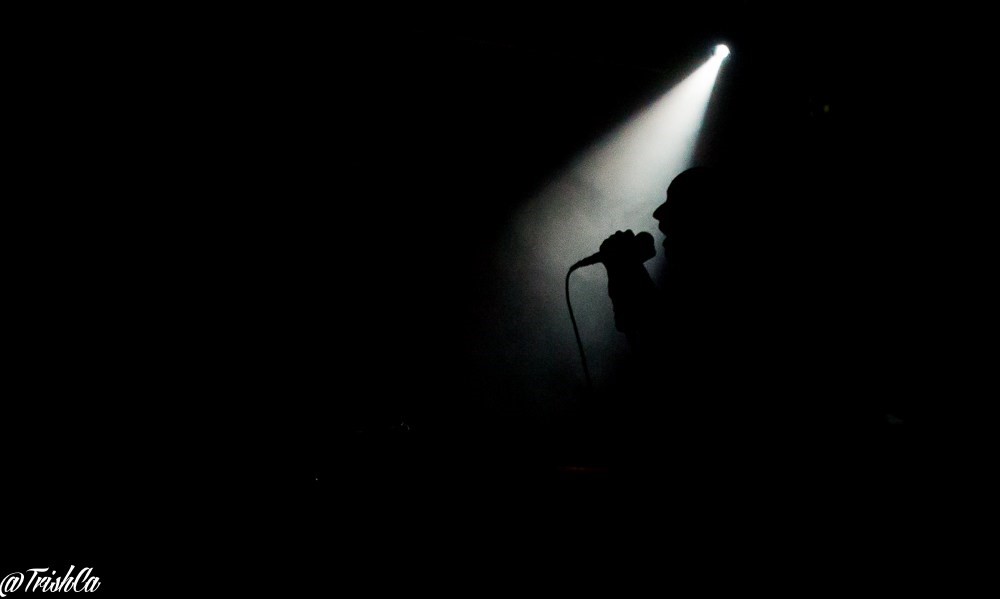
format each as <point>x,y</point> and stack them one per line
<point>44,581</point>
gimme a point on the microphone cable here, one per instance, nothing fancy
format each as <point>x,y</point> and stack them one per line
<point>576,331</point>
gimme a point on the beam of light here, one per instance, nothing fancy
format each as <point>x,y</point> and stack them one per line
<point>614,185</point>
<point>722,51</point>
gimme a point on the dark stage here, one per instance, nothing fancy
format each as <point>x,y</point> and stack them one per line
<point>283,308</point>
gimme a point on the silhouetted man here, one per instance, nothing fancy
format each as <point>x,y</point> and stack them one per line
<point>734,350</point>
<point>746,419</point>
<point>712,341</point>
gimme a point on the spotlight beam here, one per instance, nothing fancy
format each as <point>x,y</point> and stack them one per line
<point>614,185</point>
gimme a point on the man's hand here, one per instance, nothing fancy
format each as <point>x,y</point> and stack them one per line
<point>621,250</point>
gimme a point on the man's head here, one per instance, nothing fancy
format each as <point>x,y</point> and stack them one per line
<point>705,230</point>
<point>694,205</point>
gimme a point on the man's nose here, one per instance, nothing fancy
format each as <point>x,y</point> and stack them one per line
<point>660,212</point>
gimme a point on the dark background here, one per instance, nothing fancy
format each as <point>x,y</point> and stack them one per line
<point>252,258</point>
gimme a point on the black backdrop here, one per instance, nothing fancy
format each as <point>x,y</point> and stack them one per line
<point>242,247</point>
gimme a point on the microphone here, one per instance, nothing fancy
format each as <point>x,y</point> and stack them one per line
<point>644,247</point>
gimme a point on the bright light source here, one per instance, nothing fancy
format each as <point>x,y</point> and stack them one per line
<point>722,51</point>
